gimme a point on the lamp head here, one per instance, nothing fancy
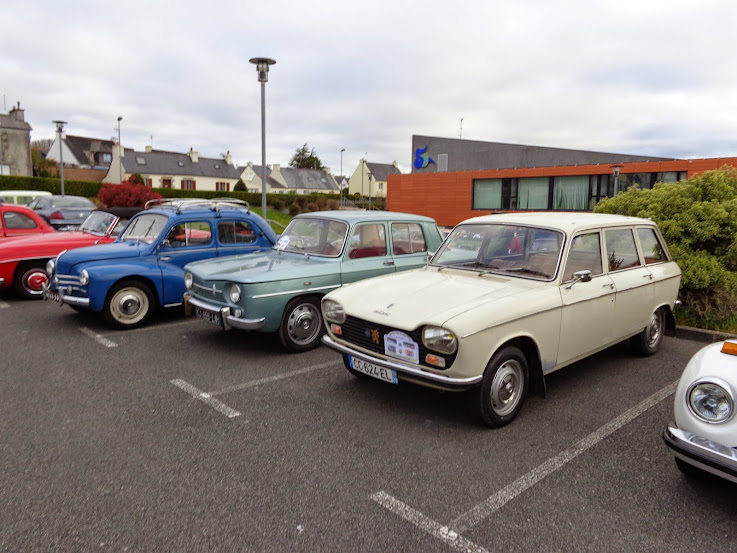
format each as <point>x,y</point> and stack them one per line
<point>262,66</point>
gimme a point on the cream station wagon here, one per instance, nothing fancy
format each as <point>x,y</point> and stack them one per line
<point>506,300</point>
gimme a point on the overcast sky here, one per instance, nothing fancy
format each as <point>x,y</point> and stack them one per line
<point>645,77</point>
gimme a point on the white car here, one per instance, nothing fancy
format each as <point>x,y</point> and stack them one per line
<point>506,300</point>
<point>704,435</point>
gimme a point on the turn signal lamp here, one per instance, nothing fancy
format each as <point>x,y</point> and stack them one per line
<point>431,359</point>
<point>336,329</point>
<point>729,348</point>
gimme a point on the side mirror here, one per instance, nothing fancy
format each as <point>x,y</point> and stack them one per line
<point>580,276</point>
<point>165,243</point>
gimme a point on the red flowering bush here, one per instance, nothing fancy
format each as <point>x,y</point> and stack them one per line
<point>126,194</point>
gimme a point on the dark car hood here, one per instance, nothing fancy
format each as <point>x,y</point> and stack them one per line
<point>116,250</point>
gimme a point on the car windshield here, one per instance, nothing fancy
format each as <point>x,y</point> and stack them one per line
<point>145,228</point>
<point>502,248</point>
<point>98,222</point>
<point>71,201</point>
<point>315,236</point>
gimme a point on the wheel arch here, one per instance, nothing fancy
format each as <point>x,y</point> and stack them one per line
<point>529,348</point>
<point>137,278</point>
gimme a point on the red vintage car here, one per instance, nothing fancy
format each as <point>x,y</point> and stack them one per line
<point>18,220</point>
<point>23,259</point>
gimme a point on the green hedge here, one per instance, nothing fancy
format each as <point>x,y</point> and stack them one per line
<point>91,189</point>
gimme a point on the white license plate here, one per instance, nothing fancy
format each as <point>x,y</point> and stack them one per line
<point>212,318</point>
<point>382,373</point>
<point>50,295</point>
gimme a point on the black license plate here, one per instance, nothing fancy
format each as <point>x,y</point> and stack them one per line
<point>208,316</point>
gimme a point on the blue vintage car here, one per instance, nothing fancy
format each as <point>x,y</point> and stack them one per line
<point>143,269</point>
<point>318,252</point>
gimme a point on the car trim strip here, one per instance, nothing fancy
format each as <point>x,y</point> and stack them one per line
<point>414,372</point>
<point>300,291</point>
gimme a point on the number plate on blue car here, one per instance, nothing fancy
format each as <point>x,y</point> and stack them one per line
<point>382,373</point>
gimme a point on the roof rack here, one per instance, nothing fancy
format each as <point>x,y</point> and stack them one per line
<point>187,203</point>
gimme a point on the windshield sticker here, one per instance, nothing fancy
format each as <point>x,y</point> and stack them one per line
<point>398,344</point>
<point>282,243</point>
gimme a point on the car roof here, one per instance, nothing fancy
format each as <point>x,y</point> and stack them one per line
<point>565,221</point>
<point>198,207</point>
<point>354,216</point>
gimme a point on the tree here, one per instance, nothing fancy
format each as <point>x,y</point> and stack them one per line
<point>240,186</point>
<point>306,158</point>
<point>126,194</point>
<point>698,219</point>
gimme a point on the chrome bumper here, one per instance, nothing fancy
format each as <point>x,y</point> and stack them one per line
<point>229,321</point>
<point>413,373</point>
<point>702,453</point>
<point>61,298</point>
<point>2,281</point>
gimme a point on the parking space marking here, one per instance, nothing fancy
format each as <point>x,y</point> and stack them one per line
<point>98,337</point>
<point>205,398</point>
<point>4,305</point>
<point>274,378</point>
<point>425,523</point>
<point>150,328</point>
<point>504,496</point>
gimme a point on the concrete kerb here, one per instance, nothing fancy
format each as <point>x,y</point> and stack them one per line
<point>700,335</point>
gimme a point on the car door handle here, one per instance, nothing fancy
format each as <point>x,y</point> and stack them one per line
<point>650,276</point>
<point>388,262</point>
<point>610,285</point>
<point>165,258</point>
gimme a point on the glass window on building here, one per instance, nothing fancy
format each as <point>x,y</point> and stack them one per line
<point>487,194</point>
<point>669,176</point>
<point>571,192</point>
<point>641,180</point>
<point>533,193</point>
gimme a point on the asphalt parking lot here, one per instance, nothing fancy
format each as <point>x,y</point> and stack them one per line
<point>181,437</point>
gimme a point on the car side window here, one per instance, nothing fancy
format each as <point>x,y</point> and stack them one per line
<point>190,234</point>
<point>368,240</point>
<point>621,250</point>
<point>407,238</point>
<point>236,232</point>
<point>584,255</point>
<point>652,250</point>
<point>14,220</point>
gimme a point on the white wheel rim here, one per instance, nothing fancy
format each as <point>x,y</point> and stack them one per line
<point>129,305</point>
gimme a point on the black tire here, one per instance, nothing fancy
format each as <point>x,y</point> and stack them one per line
<point>647,342</point>
<point>29,279</point>
<point>129,304</point>
<point>302,326</point>
<point>503,389</point>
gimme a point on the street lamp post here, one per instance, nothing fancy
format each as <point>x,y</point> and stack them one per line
<point>120,158</point>
<point>59,128</point>
<point>340,192</point>
<point>262,67</point>
<point>370,177</point>
<point>615,171</point>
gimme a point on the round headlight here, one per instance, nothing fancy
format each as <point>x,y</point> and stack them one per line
<point>84,277</point>
<point>188,280</point>
<point>439,339</point>
<point>711,400</point>
<point>235,293</point>
<point>50,266</point>
<point>333,311</point>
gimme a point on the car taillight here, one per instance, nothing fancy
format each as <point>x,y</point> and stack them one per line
<point>56,215</point>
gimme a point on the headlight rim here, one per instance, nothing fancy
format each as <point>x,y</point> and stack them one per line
<point>714,381</point>
<point>84,277</point>
<point>50,267</point>
<point>330,314</point>
<point>188,280</point>
<point>433,347</point>
<point>239,293</point>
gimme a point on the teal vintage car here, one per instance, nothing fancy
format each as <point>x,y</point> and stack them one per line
<point>280,290</point>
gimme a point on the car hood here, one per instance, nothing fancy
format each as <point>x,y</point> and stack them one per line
<point>47,244</point>
<point>263,267</point>
<point>116,250</point>
<point>428,296</point>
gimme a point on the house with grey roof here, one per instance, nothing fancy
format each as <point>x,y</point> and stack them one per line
<point>161,169</point>
<point>370,179</point>
<point>15,144</point>
<point>81,151</point>
<point>283,180</point>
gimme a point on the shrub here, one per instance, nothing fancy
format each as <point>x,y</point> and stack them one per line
<point>126,194</point>
<point>312,206</point>
<point>332,205</point>
<point>240,186</point>
<point>278,204</point>
<point>301,201</point>
<point>294,209</point>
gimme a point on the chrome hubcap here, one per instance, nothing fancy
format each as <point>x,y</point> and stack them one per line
<point>35,281</point>
<point>655,329</point>
<point>129,304</point>
<point>506,388</point>
<point>304,324</point>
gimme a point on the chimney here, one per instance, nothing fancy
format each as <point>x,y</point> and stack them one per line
<point>395,164</point>
<point>148,148</point>
<point>17,113</point>
<point>193,155</point>
<point>228,158</point>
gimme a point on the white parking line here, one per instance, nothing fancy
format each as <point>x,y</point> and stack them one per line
<point>274,378</point>
<point>205,398</point>
<point>451,534</point>
<point>99,338</point>
<point>4,305</point>
<point>504,496</point>
<point>151,328</point>
<point>427,524</point>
